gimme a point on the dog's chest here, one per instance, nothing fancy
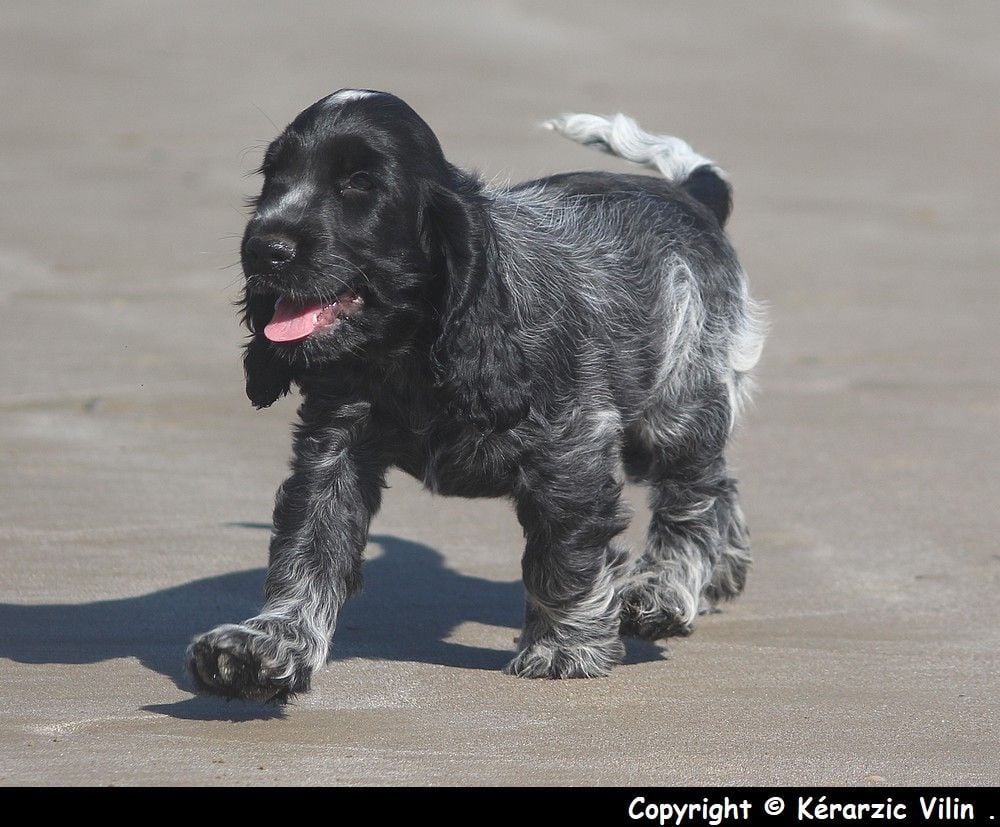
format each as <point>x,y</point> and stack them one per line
<point>465,463</point>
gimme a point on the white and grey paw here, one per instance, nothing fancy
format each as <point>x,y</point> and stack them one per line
<point>545,659</point>
<point>253,664</point>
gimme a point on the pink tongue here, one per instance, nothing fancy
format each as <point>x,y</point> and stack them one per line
<point>291,323</point>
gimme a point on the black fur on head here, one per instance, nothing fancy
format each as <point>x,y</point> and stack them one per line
<point>361,217</point>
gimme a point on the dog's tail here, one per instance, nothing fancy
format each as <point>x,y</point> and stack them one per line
<point>673,158</point>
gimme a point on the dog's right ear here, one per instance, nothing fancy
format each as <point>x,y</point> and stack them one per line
<point>268,377</point>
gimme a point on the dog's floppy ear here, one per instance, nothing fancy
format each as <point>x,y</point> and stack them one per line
<point>268,378</point>
<point>478,361</point>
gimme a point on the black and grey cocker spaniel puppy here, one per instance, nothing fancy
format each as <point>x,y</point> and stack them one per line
<point>544,342</point>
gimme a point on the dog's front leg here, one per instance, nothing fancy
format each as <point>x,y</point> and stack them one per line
<point>570,508</point>
<point>321,518</point>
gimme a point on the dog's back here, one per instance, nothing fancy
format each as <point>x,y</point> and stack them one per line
<point>640,263</point>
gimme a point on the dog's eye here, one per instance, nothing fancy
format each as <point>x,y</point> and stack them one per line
<point>359,181</point>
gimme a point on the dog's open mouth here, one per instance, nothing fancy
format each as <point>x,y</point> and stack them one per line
<point>295,321</point>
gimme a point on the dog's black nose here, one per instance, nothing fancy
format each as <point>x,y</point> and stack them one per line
<point>267,252</point>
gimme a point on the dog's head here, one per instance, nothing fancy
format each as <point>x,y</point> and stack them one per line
<point>332,254</point>
<point>364,237</point>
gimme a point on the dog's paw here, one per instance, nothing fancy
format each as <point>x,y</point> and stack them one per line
<point>247,663</point>
<point>653,619</point>
<point>544,659</point>
<point>654,627</point>
<point>653,610</point>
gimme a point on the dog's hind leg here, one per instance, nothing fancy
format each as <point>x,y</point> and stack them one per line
<point>697,550</point>
<point>730,573</point>
<point>570,507</point>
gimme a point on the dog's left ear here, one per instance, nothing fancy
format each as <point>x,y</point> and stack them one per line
<point>268,378</point>
<point>478,359</point>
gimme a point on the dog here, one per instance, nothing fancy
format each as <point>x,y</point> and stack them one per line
<point>545,342</point>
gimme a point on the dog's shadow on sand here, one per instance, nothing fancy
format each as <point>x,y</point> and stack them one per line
<point>411,604</point>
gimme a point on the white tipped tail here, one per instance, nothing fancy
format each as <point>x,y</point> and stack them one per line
<point>619,135</point>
